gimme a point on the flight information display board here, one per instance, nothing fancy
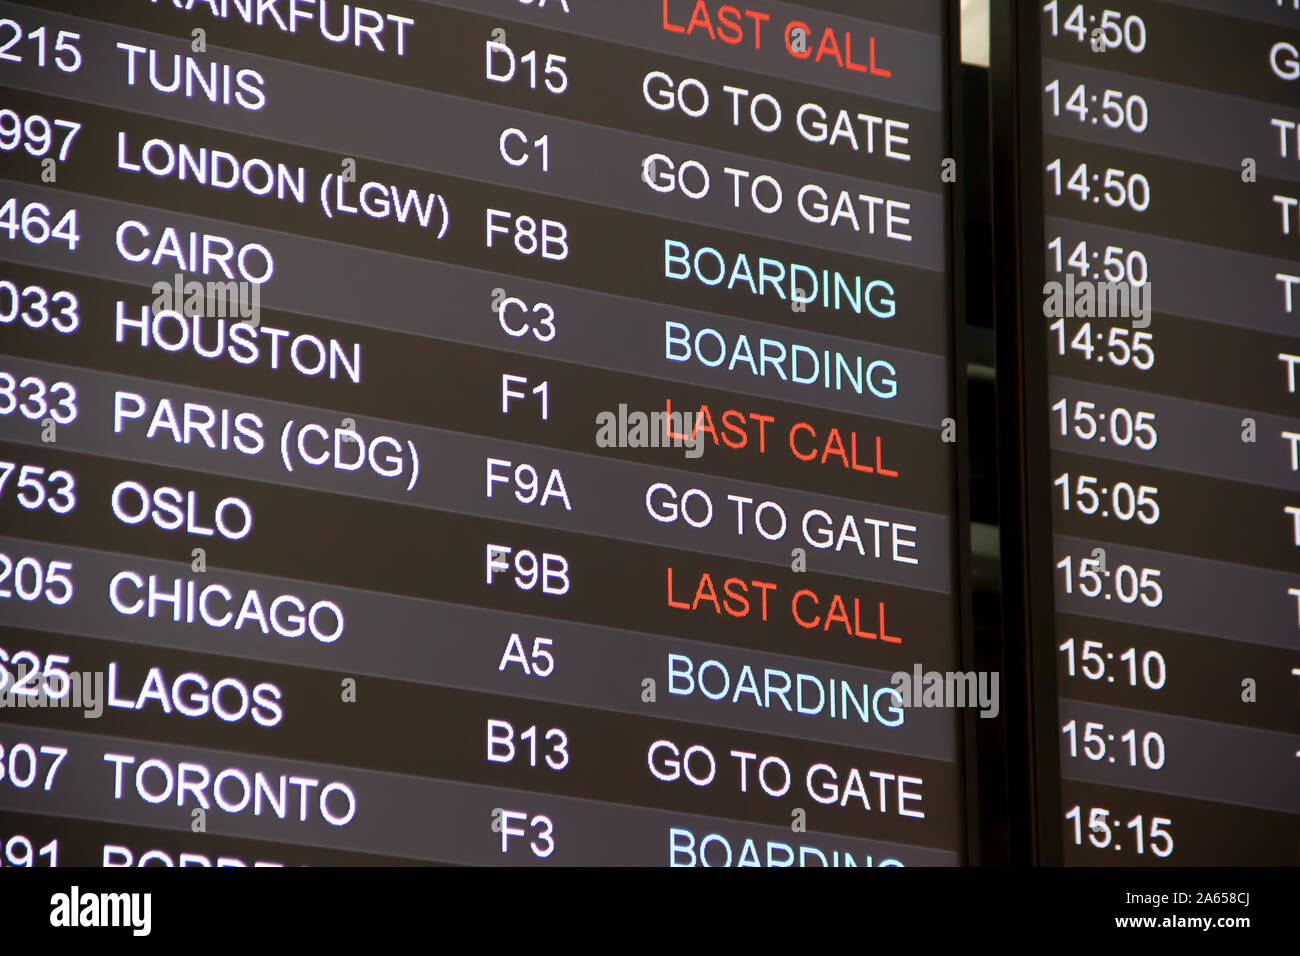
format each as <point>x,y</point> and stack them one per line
<point>478,431</point>
<point>1162,310</point>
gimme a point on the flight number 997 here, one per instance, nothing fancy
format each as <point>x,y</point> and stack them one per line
<point>35,133</point>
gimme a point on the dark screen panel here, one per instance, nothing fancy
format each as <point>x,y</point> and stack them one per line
<point>1159,345</point>
<point>347,507</point>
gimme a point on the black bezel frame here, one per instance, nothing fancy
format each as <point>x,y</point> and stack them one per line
<point>976,825</point>
<point>1029,597</point>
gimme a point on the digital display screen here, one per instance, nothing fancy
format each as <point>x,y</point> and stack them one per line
<point>512,432</point>
<point>1169,333</point>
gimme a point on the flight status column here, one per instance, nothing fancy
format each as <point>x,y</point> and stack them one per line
<point>478,432</point>
<point>1172,307</point>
